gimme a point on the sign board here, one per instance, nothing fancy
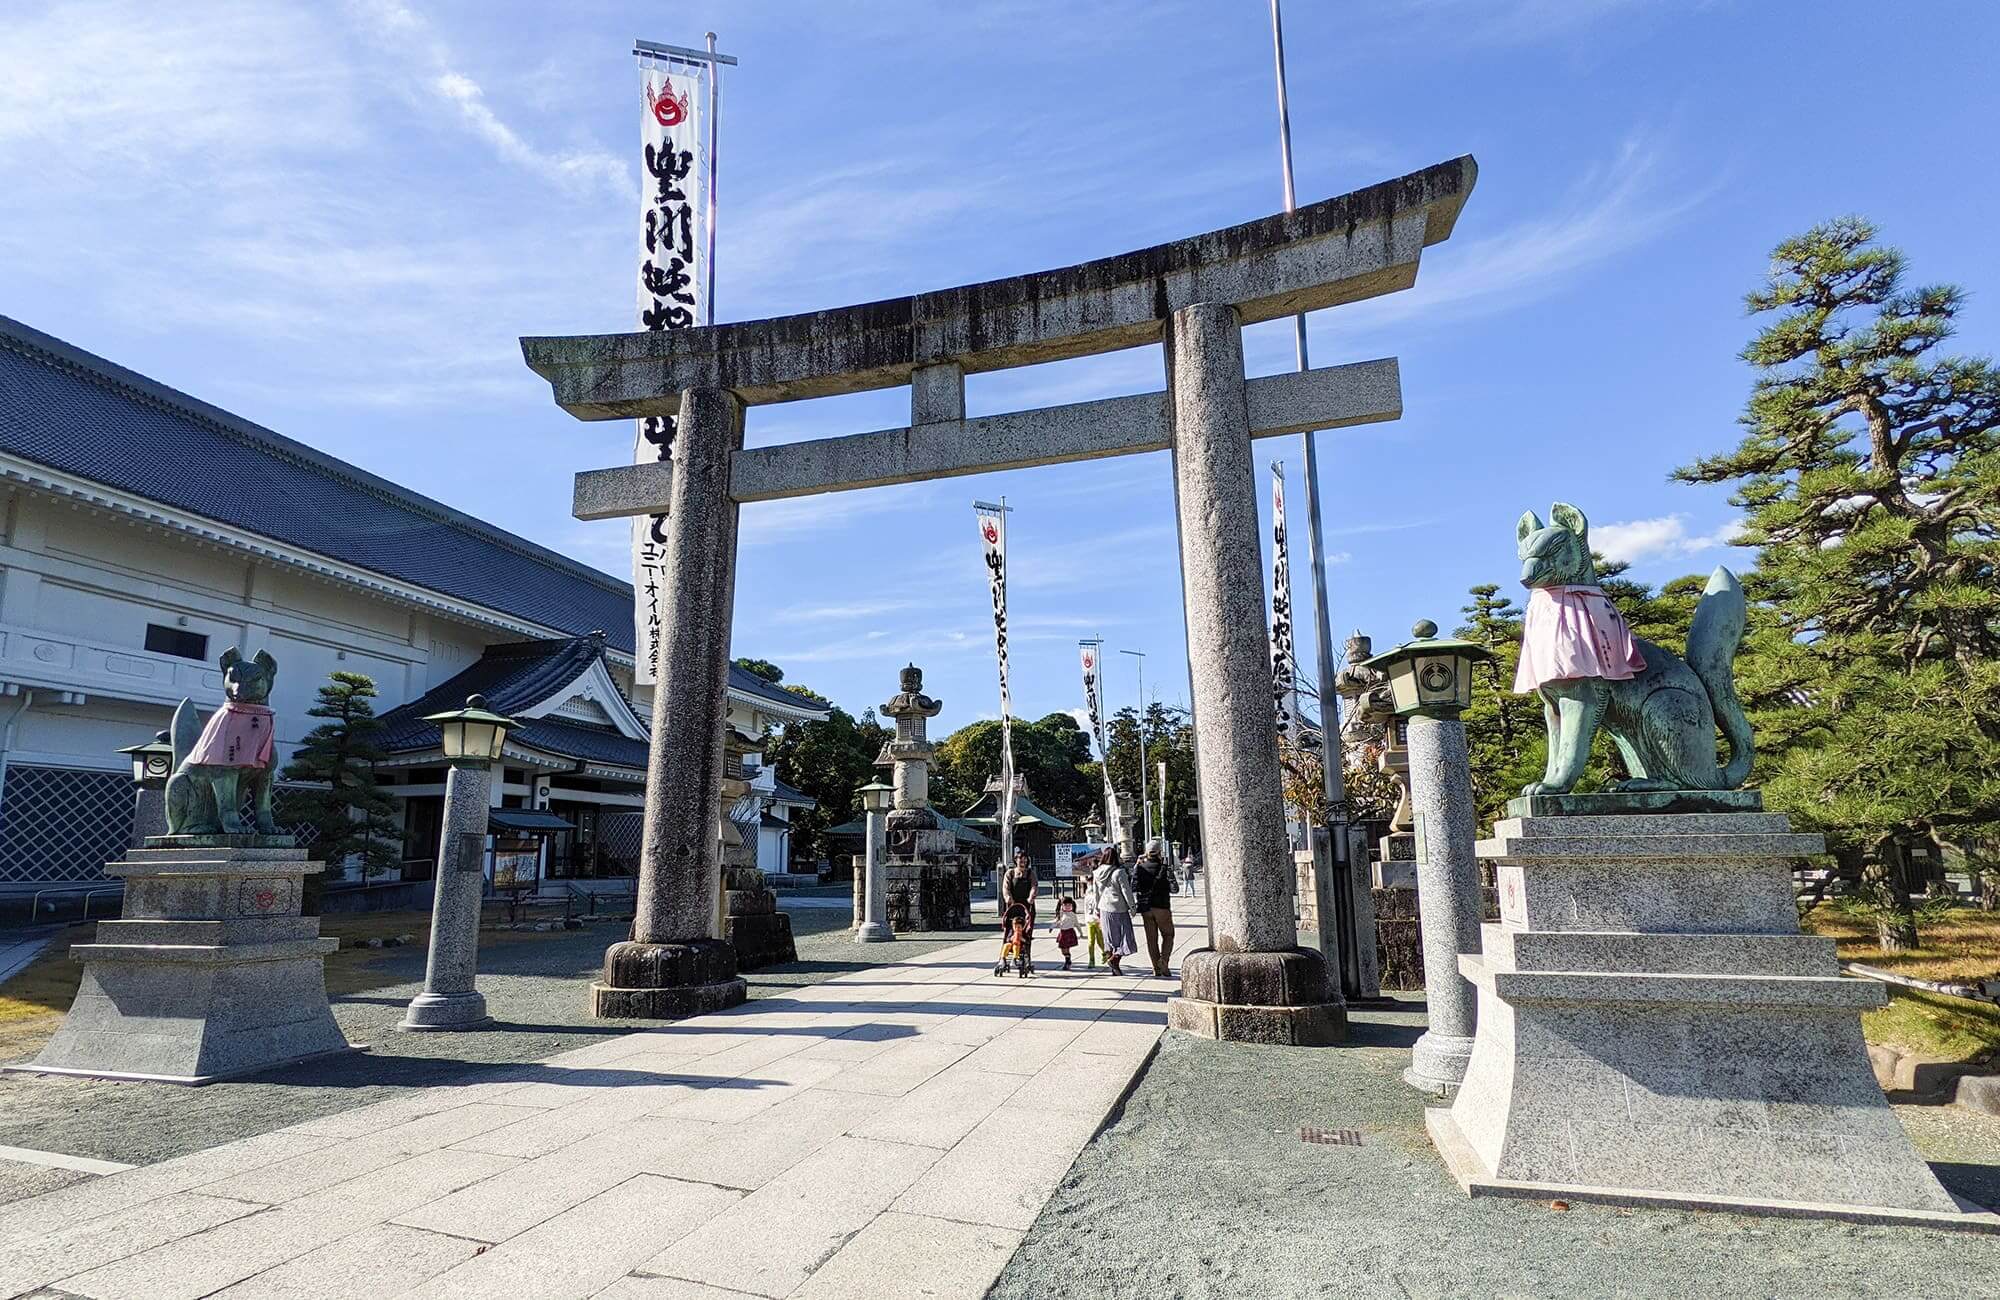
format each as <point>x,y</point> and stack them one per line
<point>1068,854</point>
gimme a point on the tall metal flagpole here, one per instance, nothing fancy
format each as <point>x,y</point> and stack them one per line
<point>1337,935</point>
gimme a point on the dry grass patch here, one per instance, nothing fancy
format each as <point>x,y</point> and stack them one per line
<point>1961,945</point>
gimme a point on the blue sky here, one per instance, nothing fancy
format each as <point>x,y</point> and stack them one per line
<point>335,219</point>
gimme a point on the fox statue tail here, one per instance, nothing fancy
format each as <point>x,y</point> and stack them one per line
<point>1711,652</point>
<point>184,732</point>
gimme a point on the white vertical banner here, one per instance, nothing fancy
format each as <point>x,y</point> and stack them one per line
<point>673,289</point>
<point>1091,653</point>
<point>1284,658</point>
<point>993,538</point>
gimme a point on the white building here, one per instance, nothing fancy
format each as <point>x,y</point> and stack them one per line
<point>145,532</point>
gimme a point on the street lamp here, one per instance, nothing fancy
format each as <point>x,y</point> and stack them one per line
<point>472,739</point>
<point>1430,682</point>
<point>152,764</point>
<point>876,798</point>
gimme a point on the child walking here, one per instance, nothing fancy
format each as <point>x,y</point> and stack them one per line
<point>1092,928</point>
<point>1065,927</point>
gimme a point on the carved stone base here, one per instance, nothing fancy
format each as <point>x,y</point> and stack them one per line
<point>667,981</point>
<point>210,973</point>
<point>751,921</point>
<point>763,939</point>
<point>1258,997</point>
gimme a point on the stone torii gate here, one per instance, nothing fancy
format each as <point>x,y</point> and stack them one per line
<point>1194,295</point>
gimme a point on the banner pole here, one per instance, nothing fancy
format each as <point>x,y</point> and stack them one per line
<point>714,171</point>
<point>1336,932</point>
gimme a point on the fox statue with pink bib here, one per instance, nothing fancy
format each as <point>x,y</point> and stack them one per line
<point>1578,655</point>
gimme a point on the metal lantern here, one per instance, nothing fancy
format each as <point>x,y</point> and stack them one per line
<point>152,762</point>
<point>473,734</point>
<point>876,796</point>
<point>1430,676</point>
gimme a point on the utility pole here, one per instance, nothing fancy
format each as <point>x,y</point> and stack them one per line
<point>1338,939</point>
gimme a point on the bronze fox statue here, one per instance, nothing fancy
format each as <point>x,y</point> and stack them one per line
<point>1663,719</point>
<point>205,794</point>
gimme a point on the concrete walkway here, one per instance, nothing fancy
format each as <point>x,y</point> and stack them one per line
<point>892,1132</point>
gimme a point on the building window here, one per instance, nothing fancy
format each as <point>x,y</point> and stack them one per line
<point>174,641</point>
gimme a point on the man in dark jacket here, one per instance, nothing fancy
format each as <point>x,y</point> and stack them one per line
<point>1153,881</point>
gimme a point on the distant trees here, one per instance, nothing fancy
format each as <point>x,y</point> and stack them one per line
<point>1052,753</point>
<point>828,760</point>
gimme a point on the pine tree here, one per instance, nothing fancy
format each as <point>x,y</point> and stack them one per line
<point>336,794</point>
<point>1869,473</point>
<point>1503,730</point>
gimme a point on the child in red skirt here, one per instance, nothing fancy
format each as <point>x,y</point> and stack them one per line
<point>1065,927</point>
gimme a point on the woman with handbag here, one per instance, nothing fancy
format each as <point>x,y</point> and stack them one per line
<point>1115,905</point>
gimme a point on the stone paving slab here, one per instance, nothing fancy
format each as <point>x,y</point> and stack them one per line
<point>890,1132</point>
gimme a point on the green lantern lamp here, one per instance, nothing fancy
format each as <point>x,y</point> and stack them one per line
<point>1430,676</point>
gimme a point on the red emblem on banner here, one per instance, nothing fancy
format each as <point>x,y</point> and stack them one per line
<point>669,109</point>
<point>1089,661</point>
<point>988,531</point>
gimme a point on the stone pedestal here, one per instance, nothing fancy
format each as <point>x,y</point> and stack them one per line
<point>750,919</point>
<point>210,972</point>
<point>1395,863</point>
<point>927,881</point>
<point>1253,982</point>
<point>675,964</point>
<point>1448,905</point>
<point>1653,1028</point>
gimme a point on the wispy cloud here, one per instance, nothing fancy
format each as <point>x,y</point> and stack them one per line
<point>1620,206</point>
<point>1635,541</point>
<point>401,32</point>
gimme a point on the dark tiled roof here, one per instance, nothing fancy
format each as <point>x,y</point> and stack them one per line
<point>518,676</point>
<point>80,414</point>
<point>986,812</point>
<point>574,741</point>
<point>792,794</point>
<point>512,677</point>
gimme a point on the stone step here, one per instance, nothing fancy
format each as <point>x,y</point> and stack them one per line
<point>1747,823</point>
<point>274,929</point>
<point>204,954</point>
<point>1587,849</point>
<point>1731,991</point>
<point>1635,952</point>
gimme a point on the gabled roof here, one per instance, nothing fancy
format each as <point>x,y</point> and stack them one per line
<point>985,810</point>
<point>517,677</point>
<point>791,794</point>
<point>966,834</point>
<point>82,415</point>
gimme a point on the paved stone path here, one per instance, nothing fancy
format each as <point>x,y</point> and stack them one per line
<point>892,1132</point>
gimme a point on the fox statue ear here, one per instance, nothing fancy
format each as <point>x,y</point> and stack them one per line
<point>230,658</point>
<point>1566,516</point>
<point>1526,526</point>
<point>266,662</point>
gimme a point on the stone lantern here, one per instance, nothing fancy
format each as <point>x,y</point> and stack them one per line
<point>1430,682</point>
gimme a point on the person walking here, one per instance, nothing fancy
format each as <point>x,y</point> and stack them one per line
<point>1018,886</point>
<point>1115,904</point>
<point>1086,892</point>
<point>1153,881</point>
<point>1188,871</point>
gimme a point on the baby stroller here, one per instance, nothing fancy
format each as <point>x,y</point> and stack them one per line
<point>1017,941</point>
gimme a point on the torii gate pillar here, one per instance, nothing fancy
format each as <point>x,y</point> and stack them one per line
<point>1253,981</point>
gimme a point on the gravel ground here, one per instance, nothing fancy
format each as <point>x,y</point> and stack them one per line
<point>535,987</point>
<point>1200,1187</point>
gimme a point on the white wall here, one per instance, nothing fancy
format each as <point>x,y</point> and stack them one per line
<point>78,585</point>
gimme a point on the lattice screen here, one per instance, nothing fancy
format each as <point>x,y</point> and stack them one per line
<point>60,825</point>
